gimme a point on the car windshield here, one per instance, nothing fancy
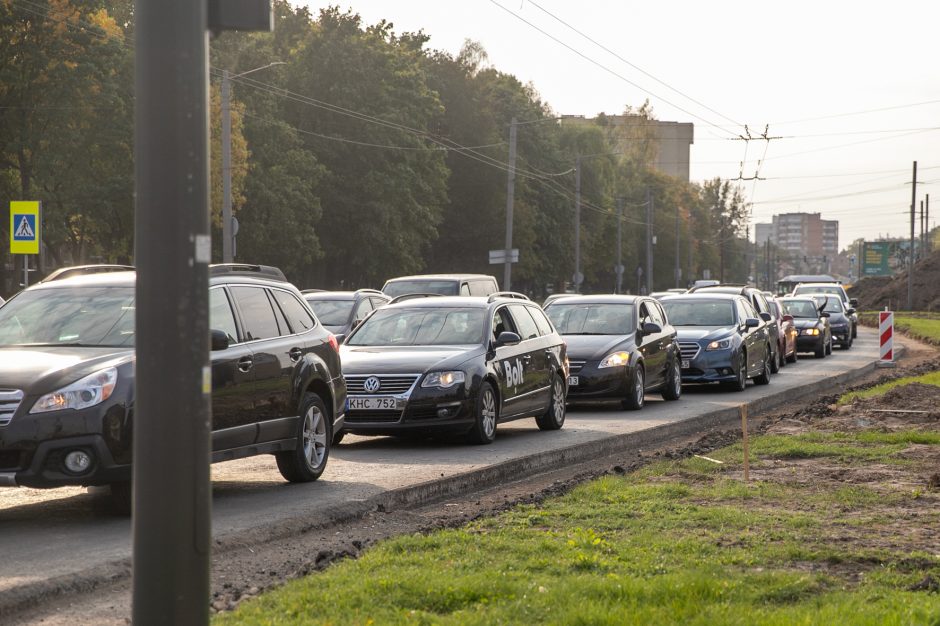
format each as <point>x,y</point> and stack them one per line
<point>834,291</point>
<point>801,308</point>
<point>592,319</point>
<point>699,312</point>
<point>402,287</point>
<point>833,305</point>
<point>421,326</point>
<point>774,308</point>
<point>331,312</point>
<point>87,316</point>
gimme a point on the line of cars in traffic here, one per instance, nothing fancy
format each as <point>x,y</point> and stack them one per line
<point>441,355</point>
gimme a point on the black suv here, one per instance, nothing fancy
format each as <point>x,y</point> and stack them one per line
<point>442,284</point>
<point>759,301</point>
<point>342,311</point>
<point>454,365</point>
<point>67,378</point>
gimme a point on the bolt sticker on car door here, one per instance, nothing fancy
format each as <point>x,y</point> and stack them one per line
<point>515,374</point>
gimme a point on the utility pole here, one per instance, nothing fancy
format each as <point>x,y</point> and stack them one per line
<point>649,242</point>
<point>510,196</point>
<point>228,220</point>
<point>578,276</point>
<point>922,233</point>
<point>618,269</point>
<point>927,225</point>
<point>678,270</point>
<point>910,256</point>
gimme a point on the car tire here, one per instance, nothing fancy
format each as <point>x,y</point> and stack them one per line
<point>672,389</point>
<point>764,377</point>
<point>820,351</point>
<point>486,413</point>
<point>637,396</point>
<point>793,358</point>
<point>306,462</point>
<point>740,383</point>
<point>854,331</point>
<point>554,417</point>
<point>847,344</point>
<point>773,360</point>
<point>121,498</point>
<point>829,345</point>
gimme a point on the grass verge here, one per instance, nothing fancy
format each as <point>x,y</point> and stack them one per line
<point>930,378</point>
<point>676,542</point>
<point>922,326</point>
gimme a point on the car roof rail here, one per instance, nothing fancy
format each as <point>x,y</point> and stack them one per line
<point>312,290</point>
<point>412,296</point>
<point>84,270</point>
<point>375,291</point>
<point>247,269</point>
<point>507,294</point>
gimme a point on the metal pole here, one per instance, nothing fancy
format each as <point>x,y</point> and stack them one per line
<point>578,278</point>
<point>228,253</point>
<point>678,271</point>
<point>910,264</point>
<point>927,225</point>
<point>25,271</point>
<point>618,270</point>
<point>923,235</point>
<point>649,242</point>
<point>510,195</point>
<point>171,511</point>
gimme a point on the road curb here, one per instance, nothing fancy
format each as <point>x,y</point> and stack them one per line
<point>27,596</point>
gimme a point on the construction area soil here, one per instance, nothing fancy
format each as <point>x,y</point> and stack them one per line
<point>877,292</point>
<point>241,572</point>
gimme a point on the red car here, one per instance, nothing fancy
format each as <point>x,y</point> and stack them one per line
<point>788,333</point>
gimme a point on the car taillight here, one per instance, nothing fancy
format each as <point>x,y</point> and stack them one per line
<point>333,343</point>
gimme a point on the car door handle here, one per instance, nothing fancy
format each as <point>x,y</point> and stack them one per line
<point>295,354</point>
<point>245,363</point>
<point>527,357</point>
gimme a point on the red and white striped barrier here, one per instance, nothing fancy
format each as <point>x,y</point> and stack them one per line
<point>886,332</point>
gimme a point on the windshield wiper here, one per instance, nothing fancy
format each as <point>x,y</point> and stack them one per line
<point>592,333</point>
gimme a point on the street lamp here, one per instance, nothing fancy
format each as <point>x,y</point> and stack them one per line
<point>228,221</point>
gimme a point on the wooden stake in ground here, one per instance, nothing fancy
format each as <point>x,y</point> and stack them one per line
<point>746,450</point>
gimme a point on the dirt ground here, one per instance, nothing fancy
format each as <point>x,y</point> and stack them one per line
<point>242,572</point>
<point>876,292</point>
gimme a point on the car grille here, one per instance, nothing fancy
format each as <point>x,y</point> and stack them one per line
<point>689,350</point>
<point>9,401</point>
<point>575,366</point>
<point>388,384</point>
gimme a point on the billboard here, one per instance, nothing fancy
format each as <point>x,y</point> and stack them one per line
<point>884,258</point>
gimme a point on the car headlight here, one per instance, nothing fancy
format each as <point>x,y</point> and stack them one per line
<point>811,331</point>
<point>722,344</point>
<point>444,380</point>
<point>89,391</point>
<point>617,359</point>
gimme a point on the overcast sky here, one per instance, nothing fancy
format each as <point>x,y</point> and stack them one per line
<point>786,64</point>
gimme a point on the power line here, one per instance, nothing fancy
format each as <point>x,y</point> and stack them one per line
<point>854,143</point>
<point>634,66</point>
<point>835,115</point>
<point>605,68</point>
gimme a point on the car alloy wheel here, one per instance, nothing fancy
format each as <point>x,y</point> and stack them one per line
<point>554,417</point>
<point>314,437</point>
<point>307,460</point>
<point>484,427</point>
<point>637,395</point>
<point>673,387</point>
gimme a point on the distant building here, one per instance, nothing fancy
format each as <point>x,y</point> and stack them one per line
<point>673,140</point>
<point>802,235</point>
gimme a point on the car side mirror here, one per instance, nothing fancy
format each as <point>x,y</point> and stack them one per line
<point>850,311</point>
<point>751,322</point>
<point>787,318</point>
<point>764,315</point>
<point>853,302</point>
<point>823,314</point>
<point>218,340</point>
<point>507,338</point>
<point>650,328</point>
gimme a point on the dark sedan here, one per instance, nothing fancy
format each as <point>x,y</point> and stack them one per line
<point>840,318</point>
<point>813,325</point>
<point>721,339</point>
<point>341,311</point>
<point>618,347</point>
<point>454,365</point>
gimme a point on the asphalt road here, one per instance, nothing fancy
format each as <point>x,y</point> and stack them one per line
<point>56,535</point>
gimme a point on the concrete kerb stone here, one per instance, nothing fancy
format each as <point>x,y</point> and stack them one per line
<point>19,598</point>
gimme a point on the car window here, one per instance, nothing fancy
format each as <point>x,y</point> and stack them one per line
<point>420,326</point>
<point>331,312</point>
<point>749,310</point>
<point>760,304</point>
<point>524,321</point>
<point>402,287</point>
<point>464,289</point>
<point>365,307</point>
<point>592,319</point>
<point>297,314</point>
<point>545,327</point>
<point>832,304</point>
<point>645,316</point>
<point>502,322</point>
<point>482,287</point>
<point>774,308</point>
<point>283,328</point>
<point>220,314</point>
<point>656,314</point>
<point>801,308</point>
<point>378,303</point>
<point>700,313</point>
<point>257,314</point>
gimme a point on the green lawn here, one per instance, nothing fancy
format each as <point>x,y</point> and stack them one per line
<point>682,542</point>
<point>924,326</point>
<point>930,378</point>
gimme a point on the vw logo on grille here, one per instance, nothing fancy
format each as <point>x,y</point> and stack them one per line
<point>372,384</point>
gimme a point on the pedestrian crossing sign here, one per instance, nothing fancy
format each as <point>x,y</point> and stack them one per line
<point>24,227</point>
